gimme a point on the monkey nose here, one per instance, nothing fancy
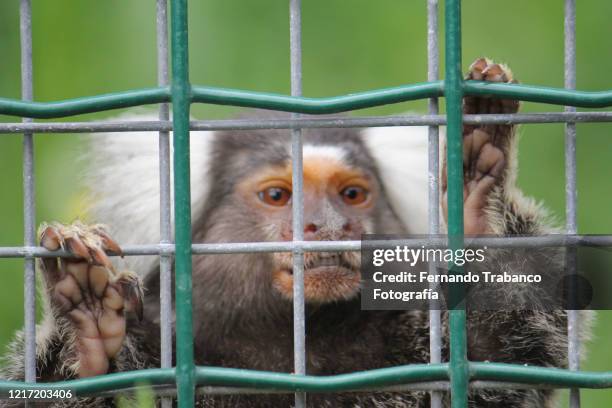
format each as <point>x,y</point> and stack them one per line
<point>310,230</point>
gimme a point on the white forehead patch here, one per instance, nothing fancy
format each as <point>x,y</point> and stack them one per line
<point>336,153</point>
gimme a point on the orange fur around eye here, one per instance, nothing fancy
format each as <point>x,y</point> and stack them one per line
<point>272,185</point>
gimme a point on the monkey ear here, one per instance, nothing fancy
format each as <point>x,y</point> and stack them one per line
<point>401,157</point>
<point>122,178</point>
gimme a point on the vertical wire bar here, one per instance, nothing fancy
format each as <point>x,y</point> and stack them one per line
<point>165,261</point>
<point>299,324</point>
<point>181,93</point>
<point>571,193</point>
<point>453,91</point>
<point>435,332</point>
<point>29,213</point>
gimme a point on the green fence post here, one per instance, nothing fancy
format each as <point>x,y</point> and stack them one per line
<point>181,94</point>
<point>453,90</point>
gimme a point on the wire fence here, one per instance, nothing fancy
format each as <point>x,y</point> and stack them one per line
<point>455,376</point>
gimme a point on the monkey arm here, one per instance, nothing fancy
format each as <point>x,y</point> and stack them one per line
<point>90,324</point>
<point>494,205</point>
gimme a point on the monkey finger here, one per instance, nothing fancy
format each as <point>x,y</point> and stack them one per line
<point>50,238</point>
<point>62,302</point>
<point>483,106</point>
<point>90,347</point>
<point>78,270</point>
<point>112,331</point>
<point>476,69</point>
<point>444,178</point>
<point>113,299</point>
<point>510,105</point>
<point>83,322</point>
<point>495,73</point>
<point>67,294</point>
<point>76,246</point>
<point>131,289</point>
<point>477,197</point>
<point>92,357</point>
<point>471,104</point>
<point>100,258</point>
<point>134,304</point>
<point>108,243</point>
<point>491,161</point>
<point>98,280</point>
<point>473,144</point>
<point>480,139</point>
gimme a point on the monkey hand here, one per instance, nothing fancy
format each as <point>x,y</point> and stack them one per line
<point>486,150</point>
<point>89,294</point>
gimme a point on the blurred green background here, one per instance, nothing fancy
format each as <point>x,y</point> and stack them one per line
<point>88,47</point>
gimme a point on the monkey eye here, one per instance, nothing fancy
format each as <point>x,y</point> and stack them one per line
<point>354,195</point>
<point>275,196</point>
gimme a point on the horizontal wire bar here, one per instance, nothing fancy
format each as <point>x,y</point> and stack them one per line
<point>542,94</point>
<point>336,122</point>
<point>99,384</point>
<point>417,386</point>
<point>300,104</point>
<point>297,104</point>
<point>328,246</point>
<point>164,390</point>
<point>558,377</point>
<point>332,383</point>
<point>170,390</point>
<point>88,104</point>
<point>364,380</point>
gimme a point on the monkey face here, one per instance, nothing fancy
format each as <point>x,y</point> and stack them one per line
<point>339,202</point>
<point>251,200</point>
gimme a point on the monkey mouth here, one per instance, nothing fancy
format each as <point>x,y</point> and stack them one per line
<point>325,264</point>
<point>327,278</point>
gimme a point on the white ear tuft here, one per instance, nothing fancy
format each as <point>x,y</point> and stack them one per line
<point>123,179</point>
<point>401,156</point>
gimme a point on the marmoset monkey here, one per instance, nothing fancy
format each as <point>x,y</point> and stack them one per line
<point>355,183</point>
